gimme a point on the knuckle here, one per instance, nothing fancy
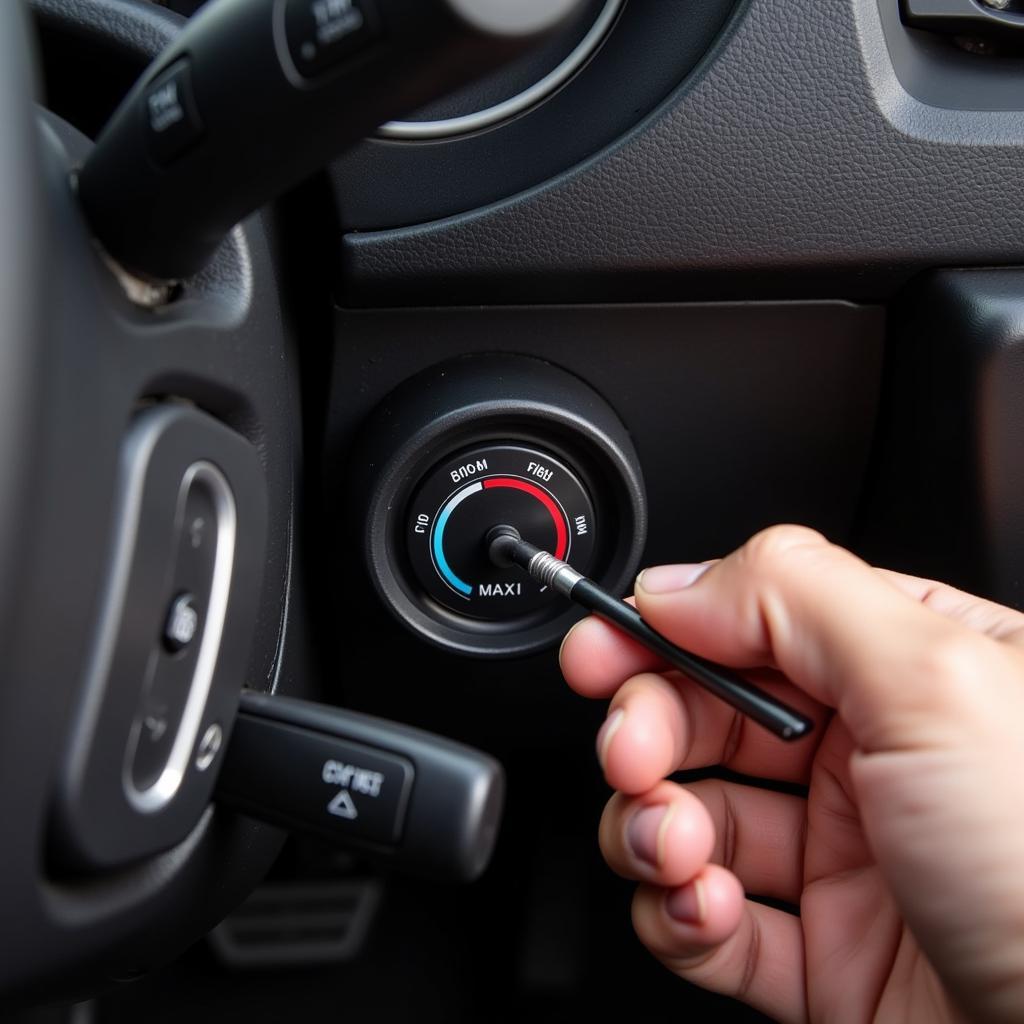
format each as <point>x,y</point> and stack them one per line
<point>770,551</point>
<point>699,966</point>
<point>751,961</point>
<point>728,831</point>
<point>950,665</point>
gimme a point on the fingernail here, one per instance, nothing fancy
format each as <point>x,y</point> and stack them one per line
<point>665,579</point>
<point>607,732</point>
<point>688,905</point>
<point>565,639</point>
<point>645,833</point>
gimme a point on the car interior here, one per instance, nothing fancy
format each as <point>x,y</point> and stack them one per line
<point>299,300</point>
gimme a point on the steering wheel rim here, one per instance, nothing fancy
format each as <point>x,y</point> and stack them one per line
<point>78,364</point>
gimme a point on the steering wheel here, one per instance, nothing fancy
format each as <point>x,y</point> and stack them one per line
<point>94,392</point>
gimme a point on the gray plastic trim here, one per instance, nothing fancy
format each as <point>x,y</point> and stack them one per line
<point>452,127</point>
<point>158,795</point>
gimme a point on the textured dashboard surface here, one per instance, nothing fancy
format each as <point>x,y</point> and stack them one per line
<point>793,152</point>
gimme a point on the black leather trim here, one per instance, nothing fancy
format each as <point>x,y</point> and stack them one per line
<point>133,27</point>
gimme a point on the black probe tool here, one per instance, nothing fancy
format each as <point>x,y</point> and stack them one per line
<point>506,547</point>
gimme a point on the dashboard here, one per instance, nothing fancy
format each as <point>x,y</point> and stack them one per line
<point>682,271</point>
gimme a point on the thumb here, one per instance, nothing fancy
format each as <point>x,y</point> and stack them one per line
<point>900,673</point>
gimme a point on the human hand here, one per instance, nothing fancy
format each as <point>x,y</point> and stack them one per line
<point>906,859</point>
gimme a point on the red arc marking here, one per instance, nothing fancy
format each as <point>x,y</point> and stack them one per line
<point>561,533</point>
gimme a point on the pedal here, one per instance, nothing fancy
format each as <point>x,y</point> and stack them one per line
<point>298,924</point>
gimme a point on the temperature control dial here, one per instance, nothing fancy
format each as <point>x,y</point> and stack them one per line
<point>462,498</point>
<point>477,442</point>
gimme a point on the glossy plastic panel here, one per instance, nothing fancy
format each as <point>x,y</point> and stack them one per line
<point>948,496</point>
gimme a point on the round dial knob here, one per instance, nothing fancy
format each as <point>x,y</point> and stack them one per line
<point>478,442</point>
<point>463,497</point>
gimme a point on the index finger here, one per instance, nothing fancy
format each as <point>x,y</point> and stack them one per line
<point>994,620</point>
<point>900,673</point>
<point>596,658</point>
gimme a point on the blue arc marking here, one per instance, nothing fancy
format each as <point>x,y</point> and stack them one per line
<point>442,521</point>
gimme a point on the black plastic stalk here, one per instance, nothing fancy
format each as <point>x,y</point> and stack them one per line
<point>255,95</point>
<point>506,547</point>
<point>403,796</point>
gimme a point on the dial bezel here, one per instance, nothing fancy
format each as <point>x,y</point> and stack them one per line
<point>502,400</point>
<point>475,489</point>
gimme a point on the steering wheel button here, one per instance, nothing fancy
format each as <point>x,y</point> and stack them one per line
<point>321,34</point>
<point>155,730</point>
<point>175,637</point>
<point>182,623</point>
<point>173,124</point>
